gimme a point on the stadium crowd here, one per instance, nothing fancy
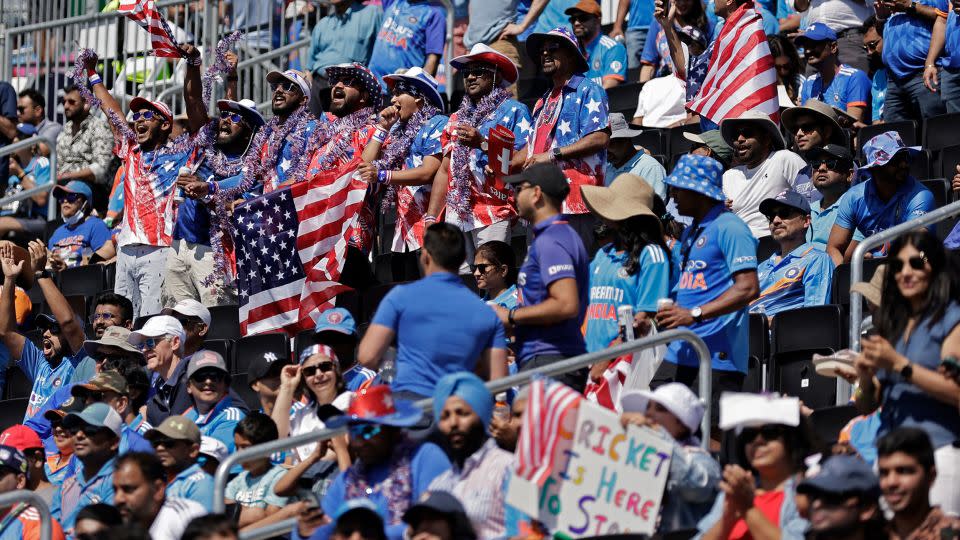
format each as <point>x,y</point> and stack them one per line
<point>532,219</point>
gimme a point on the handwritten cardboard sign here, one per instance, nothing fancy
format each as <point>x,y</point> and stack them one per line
<point>606,479</point>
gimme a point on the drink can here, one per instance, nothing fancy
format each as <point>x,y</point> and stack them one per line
<point>178,195</point>
<point>625,319</point>
<point>619,39</point>
<point>664,303</point>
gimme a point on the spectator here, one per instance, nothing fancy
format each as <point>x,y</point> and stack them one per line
<point>462,176</point>
<point>253,489</point>
<point>96,437</point>
<point>214,452</point>
<point>716,259</point>
<point>328,48</point>
<point>553,16</point>
<point>908,32</point>
<point>710,144</point>
<point>832,82</point>
<point>573,132</point>
<point>906,468</point>
<point>209,386</point>
<point>337,329</point>
<point>412,35</point>
<point>831,170</point>
<point>843,18</point>
<point>844,500</point>
<point>356,519</point>
<point>28,442</point>
<point>29,169</point>
<point>32,109</point>
<point>495,269</point>
<point>675,412</point>
<point>112,310</point>
<point>8,121</point>
<point>263,377</point>
<point>624,157</point>
<point>873,43</point>
<point>502,25</point>
<point>139,485</point>
<point>633,270</point>
<point>463,407</point>
<point>85,145</point>
<point>918,323</point>
<point>59,458</point>
<point>96,519</point>
<point>161,341</point>
<point>637,15</point>
<point>507,431</point>
<point>318,379</point>
<point>177,443</point>
<point>554,278</point>
<point>211,527</point>
<point>758,493</point>
<point>110,387</point>
<point>944,44</point>
<point>260,22</point>
<point>20,520</point>
<point>762,167</point>
<point>375,421</point>
<point>656,60</point>
<point>606,58</point>
<point>814,125</point>
<point>439,515</point>
<point>787,61</point>
<point>83,238</point>
<point>798,274</point>
<point>889,197</point>
<point>456,332</point>
<point>290,105</point>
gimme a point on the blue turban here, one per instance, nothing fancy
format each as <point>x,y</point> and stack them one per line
<point>468,387</point>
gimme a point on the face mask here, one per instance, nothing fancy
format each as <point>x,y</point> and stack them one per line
<point>76,218</point>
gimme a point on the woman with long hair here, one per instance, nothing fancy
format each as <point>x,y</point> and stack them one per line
<point>917,329</point>
<point>656,60</point>
<point>495,269</point>
<point>787,61</point>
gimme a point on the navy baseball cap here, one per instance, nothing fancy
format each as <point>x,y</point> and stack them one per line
<point>787,197</point>
<point>816,32</point>
<point>13,459</point>
<point>842,474</point>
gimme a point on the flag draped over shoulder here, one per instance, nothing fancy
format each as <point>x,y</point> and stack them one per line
<point>145,13</point>
<point>741,75</point>
<point>548,405</point>
<point>291,247</point>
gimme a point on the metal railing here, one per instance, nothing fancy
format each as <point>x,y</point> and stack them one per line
<point>27,193</point>
<point>21,495</point>
<point>499,385</point>
<point>856,274</point>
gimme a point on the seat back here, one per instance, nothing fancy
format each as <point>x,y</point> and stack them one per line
<point>941,131</point>
<point>224,322</point>
<point>224,347</point>
<point>840,287</point>
<point>248,348</point>
<point>86,280</point>
<point>797,335</point>
<point>676,142</point>
<point>828,421</point>
<point>370,300</point>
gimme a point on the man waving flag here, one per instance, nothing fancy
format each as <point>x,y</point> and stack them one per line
<point>145,13</point>
<point>741,74</point>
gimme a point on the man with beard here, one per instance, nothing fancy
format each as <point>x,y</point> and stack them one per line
<point>831,171</point>
<point>890,197</point>
<point>607,58</point>
<point>111,310</point>
<point>844,501</point>
<point>463,407</point>
<point>814,125</point>
<point>570,124</point>
<point>284,149</point>
<point>84,146</point>
<point>151,162</point>
<point>110,387</point>
<point>466,193</point>
<point>413,126</point>
<point>139,486</point>
<point>835,83</point>
<point>873,43</point>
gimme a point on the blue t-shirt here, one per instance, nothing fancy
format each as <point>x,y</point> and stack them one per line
<point>951,48</point>
<point>555,253</point>
<point>860,208</point>
<point>906,405</point>
<point>39,168</point>
<point>219,423</point>
<point>8,110</point>
<point>354,377</point>
<point>193,483</point>
<point>611,287</point>
<point>821,222</point>
<point>508,298</point>
<point>906,40</point>
<point>72,244</point>
<point>800,279</point>
<point>606,58</point>
<point>78,491</point>
<point>445,335</point>
<point>849,88</point>
<point>771,26</point>
<point>46,379</point>
<point>553,16</point>
<point>131,441</point>
<point>707,256</point>
<point>878,93</point>
<point>411,30</point>
<point>193,216</point>
<point>640,13</point>
<point>656,51</point>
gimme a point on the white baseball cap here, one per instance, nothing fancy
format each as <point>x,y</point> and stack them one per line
<point>160,325</point>
<point>212,447</point>
<point>190,308</point>
<point>675,397</point>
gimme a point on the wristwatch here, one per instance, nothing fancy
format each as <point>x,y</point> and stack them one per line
<point>697,314</point>
<point>41,274</point>
<point>906,372</point>
<point>557,155</point>
<point>912,10</point>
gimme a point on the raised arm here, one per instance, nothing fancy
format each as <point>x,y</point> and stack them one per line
<point>8,317</point>
<point>193,90</point>
<point>108,104</point>
<point>59,307</point>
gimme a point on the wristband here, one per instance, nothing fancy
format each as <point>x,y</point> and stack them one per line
<point>94,80</point>
<point>91,72</point>
<point>427,219</point>
<point>195,61</point>
<point>212,189</point>
<point>510,314</point>
<point>384,177</point>
<point>380,135</point>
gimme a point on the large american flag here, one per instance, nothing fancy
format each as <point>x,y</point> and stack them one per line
<point>741,76</point>
<point>291,245</point>
<point>548,404</point>
<point>145,13</point>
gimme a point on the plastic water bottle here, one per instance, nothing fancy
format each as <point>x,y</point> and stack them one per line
<point>501,409</point>
<point>178,195</point>
<point>625,319</point>
<point>388,367</point>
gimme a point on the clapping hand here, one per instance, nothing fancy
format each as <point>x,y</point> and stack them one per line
<point>11,269</point>
<point>38,255</point>
<point>739,488</point>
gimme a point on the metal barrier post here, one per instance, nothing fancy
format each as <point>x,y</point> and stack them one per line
<point>856,274</point>
<point>34,500</point>
<point>563,366</point>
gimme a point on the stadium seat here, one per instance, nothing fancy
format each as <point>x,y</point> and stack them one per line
<point>906,128</point>
<point>35,294</point>
<point>947,160</point>
<point>222,346</point>
<point>224,322</point>
<point>766,247</point>
<point>18,385</point>
<point>239,385</point>
<point>797,335</point>
<point>623,97</point>
<point>840,288</point>
<point>828,422</point>
<point>109,276</point>
<point>652,140</point>
<point>676,142</point>
<point>759,352</point>
<point>371,298</point>
<point>940,189</point>
<point>50,227</point>
<point>940,131</point>
<point>349,300</point>
<point>383,267</point>
<point>84,280</point>
<point>249,347</point>
<point>303,340</point>
<point>920,165</point>
<point>79,303</point>
<point>12,411</point>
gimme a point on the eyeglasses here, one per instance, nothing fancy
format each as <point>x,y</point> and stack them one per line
<point>832,163</point>
<point>60,431</point>
<point>231,116</point>
<point>916,262</point>
<point>88,430</point>
<point>517,188</point>
<point>477,71</point>
<point>872,45</point>
<point>364,431</point>
<point>143,115</point>
<point>105,316</point>
<point>70,197</point>
<point>150,344</point>
<point>807,127</point>
<point>324,367</point>
<point>284,86</point>
<point>783,213</point>
<point>482,268</point>
<point>769,432</point>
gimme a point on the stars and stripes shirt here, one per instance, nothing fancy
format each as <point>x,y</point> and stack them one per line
<point>412,201</point>
<point>488,207</point>
<point>583,110</point>
<point>284,161</point>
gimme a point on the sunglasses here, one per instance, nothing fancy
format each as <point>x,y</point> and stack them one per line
<point>150,344</point>
<point>323,367</point>
<point>916,262</point>
<point>872,45</point>
<point>364,431</point>
<point>517,188</point>
<point>832,163</point>
<point>167,442</point>
<point>580,17</point>
<point>143,115</point>
<point>102,317</point>
<point>476,72</point>
<point>833,500</point>
<point>783,213</point>
<point>482,268</point>
<point>88,430</point>
<point>231,116</point>
<point>353,82</point>
<point>70,197</point>
<point>214,375</point>
<point>284,86</point>
<point>768,433</point>
<point>808,127</point>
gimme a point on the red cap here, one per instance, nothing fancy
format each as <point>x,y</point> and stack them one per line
<point>372,402</point>
<point>20,437</point>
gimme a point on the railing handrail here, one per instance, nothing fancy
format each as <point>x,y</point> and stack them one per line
<point>563,366</point>
<point>99,16</point>
<point>21,495</point>
<point>26,194</point>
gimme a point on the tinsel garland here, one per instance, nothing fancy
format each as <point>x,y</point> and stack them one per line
<point>399,147</point>
<point>345,127</point>
<point>219,65</point>
<point>397,488</point>
<point>471,114</point>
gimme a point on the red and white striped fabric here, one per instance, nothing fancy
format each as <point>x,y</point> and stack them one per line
<point>607,392</point>
<point>741,75</point>
<point>548,405</point>
<point>145,13</point>
<point>291,247</point>
<point>412,204</point>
